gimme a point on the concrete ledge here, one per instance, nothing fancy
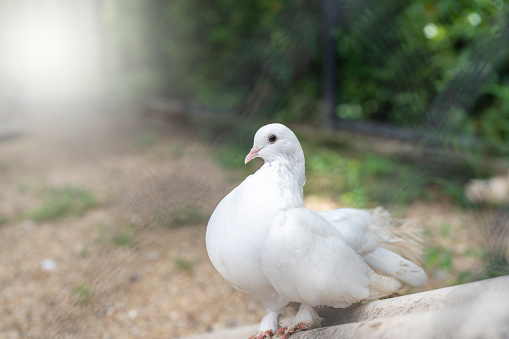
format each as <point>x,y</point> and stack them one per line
<point>475,310</point>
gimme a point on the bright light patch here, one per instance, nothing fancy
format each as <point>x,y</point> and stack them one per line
<point>45,50</point>
<point>474,19</point>
<point>49,49</point>
<point>430,31</point>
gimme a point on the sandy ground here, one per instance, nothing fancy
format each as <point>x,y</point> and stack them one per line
<point>148,175</point>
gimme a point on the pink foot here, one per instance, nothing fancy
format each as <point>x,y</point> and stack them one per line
<point>304,327</point>
<point>266,334</point>
<point>287,332</point>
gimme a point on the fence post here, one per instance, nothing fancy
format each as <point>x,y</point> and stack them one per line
<point>329,81</point>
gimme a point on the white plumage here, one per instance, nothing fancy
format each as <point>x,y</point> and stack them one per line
<point>265,242</point>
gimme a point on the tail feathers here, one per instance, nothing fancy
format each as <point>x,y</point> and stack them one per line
<point>396,266</point>
<point>381,286</point>
<point>400,236</point>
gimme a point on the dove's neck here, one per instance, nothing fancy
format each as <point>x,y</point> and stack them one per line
<point>289,175</point>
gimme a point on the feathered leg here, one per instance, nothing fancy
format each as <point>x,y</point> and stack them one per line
<point>268,326</point>
<point>306,319</point>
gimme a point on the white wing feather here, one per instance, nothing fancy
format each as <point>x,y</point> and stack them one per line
<point>396,266</point>
<point>317,266</point>
<point>373,235</point>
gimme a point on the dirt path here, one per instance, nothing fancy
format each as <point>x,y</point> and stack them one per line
<point>125,267</point>
<point>154,282</point>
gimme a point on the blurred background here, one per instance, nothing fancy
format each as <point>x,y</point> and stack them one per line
<point>123,123</point>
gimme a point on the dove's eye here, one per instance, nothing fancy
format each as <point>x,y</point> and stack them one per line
<point>272,138</point>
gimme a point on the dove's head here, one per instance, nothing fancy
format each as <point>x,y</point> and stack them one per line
<point>275,141</point>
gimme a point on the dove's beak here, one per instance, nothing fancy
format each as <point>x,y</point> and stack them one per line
<point>252,154</point>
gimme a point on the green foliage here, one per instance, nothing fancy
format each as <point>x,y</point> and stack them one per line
<point>120,234</point>
<point>496,264</point>
<point>180,214</point>
<point>464,277</point>
<point>377,166</point>
<point>230,156</point>
<point>438,257</point>
<point>58,202</point>
<point>445,230</point>
<point>101,232</point>
<point>145,139</point>
<point>416,63</point>
<point>327,172</point>
<point>230,143</point>
<point>83,294</point>
<point>177,149</point>
<point>183,265</point>
<point>494,123</point>
<point>124,237</point>
<point>360,181</point>
<point>21,185</point>
<point>453,187</point>
<point>183,214</point>
<point>411,63</point>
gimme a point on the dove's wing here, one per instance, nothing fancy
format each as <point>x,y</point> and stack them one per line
<point>308,260</point>
<point>353,225</point>
<point>359,230</point>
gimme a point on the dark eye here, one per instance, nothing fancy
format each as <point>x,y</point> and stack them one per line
<point>272,138</point>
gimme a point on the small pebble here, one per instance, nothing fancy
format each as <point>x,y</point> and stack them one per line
<point>48,265</point>
<point>132,314</point>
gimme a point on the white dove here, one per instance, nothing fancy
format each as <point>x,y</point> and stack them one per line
<point>264,242</point>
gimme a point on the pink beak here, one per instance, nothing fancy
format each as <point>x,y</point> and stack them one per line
<point>252,154</point>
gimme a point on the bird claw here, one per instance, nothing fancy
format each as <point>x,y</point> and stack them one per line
<point>286,335</point>
<point>282,330</point>
<point>304,327</point>
<point>287,332</point>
